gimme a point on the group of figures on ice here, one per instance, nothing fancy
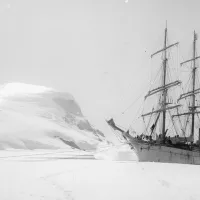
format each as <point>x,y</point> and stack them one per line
<point>171,128</point>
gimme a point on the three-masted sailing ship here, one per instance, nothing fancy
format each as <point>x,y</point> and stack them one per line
<point>181,142</point>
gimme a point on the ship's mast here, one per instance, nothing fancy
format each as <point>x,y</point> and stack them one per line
<point>193,85</point>
<point>164,84</point>
<point>194,91</point>
<point>164,87</point>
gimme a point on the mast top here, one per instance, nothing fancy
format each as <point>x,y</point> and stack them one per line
<point>195,36</point>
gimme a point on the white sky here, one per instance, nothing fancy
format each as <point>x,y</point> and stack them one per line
<point>99,51</point>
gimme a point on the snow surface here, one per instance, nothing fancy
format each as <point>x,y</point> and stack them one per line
<point>36,117</point>
<point>50,175</point>
<point>120,152</point>
<point>50,123</point>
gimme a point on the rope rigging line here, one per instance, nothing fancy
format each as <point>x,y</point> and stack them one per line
<point>149,123</point>
<point>136,116</point>
<point>186,123</point>
<point>181,123</point>
<point>133,102</point>
<point>173,122</point>
<point>155,78</point>
<point>155,123</point>
<point>149,86</point>
<point>174,63</point>
<point>198,117</point>
<point>117,135</point>
<point>187,89</point>
<point>145,126</point>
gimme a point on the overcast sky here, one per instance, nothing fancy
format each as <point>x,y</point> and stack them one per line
<point>98,50</point>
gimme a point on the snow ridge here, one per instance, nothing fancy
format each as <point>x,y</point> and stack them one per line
<point>37,117</point>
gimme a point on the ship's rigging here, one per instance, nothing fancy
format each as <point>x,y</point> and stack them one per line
<point>194,91</point>
<point>163,89</point>
<point>165,105</point>
<point>170,118</point>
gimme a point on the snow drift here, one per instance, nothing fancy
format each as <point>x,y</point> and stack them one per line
<point>36,117</point>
